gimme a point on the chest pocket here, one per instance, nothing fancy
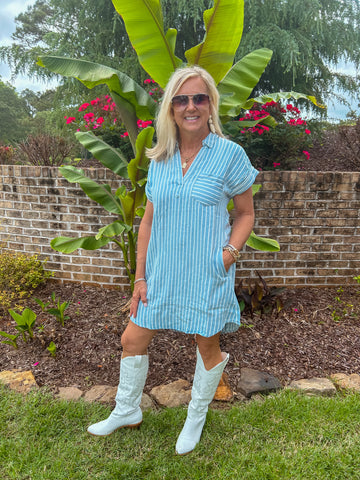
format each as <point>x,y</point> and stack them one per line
<point>208,189</point>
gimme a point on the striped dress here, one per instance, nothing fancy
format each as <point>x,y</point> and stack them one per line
<point>188,288</point>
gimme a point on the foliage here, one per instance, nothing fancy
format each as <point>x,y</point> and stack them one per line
<point>11,339</point>
<point>20,274</point>
<point>52,349</point>
<point>257,297</point>
<point>270,147</point>
<point>59,310</point>
<point>25,322</point>
<point>7,153</point>
<point>14,115</point>
<point>44,149</point>
<point>309,39</point>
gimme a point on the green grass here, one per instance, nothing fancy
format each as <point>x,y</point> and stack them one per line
<point>283,436</point>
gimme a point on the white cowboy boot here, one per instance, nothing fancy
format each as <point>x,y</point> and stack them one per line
<point>127,412</point>
<point>204,387</point>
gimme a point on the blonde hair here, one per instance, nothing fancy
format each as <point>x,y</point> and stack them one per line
<point>166,128</point>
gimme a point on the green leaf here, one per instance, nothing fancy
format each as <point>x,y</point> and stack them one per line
<point>69,244</point>
<point>224,25</point>
<point>112,230</point>
<point>136,99</point>
<point>144,24</point>
<point>276,97</point>
<point>239,82</point>
<point>107,155</point>
<point>139,165</point>
<point>100,193</point>
<point>263,244</point>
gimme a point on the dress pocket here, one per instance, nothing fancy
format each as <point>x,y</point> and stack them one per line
<point>208,189</point>
<point>219,264</point>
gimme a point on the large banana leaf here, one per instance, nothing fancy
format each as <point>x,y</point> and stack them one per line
<point>263,244</point>
<point>107,155</point>
<point>276,97</point>
<point>237,85</point>
<point>69,244</point>
<point>100,193</point>
<point>224,25</point>
<point>112,230</point>
<point>135,99</point>
<point>144,24</point>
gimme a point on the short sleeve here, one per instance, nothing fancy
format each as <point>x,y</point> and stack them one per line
<point>148,186</point>
<point>240,174</point>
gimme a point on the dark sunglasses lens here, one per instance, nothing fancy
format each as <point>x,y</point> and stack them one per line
<point>180,101</point>
<point>200,99</point>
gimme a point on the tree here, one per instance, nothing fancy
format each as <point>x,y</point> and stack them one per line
<point>69,28</point>
<point>308,39</point>
<point>14,115</point>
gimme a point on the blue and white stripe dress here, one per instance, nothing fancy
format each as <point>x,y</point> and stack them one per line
<point>188,288</point>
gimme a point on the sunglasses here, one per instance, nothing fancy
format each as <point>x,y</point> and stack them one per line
<point>182,101</point>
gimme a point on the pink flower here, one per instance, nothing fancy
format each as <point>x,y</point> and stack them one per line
<point>88,117</point>
<point>126,134</point>
<point>307,154</point>
<point>100,120</point>
<point>307,131</point>
<point>70,120</point>
<point>83,106</point>
<point>95,102</point>
<point>106,108</point>
<point>276,164</point>
<point>35,364</point>
<point>289,107</point>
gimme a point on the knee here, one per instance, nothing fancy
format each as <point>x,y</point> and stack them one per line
<point>128,342</point>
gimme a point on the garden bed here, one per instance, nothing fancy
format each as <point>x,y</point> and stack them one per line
<point>315,335</point>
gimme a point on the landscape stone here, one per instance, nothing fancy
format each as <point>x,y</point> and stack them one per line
<point>101,393</point>
<point>146,402</point>
<point>253,381</point>
<point>18,380</point>
<point>314,386</point>
<point>349,382</point>
<point>224,392</point>
<point>173,394</point>
<point>69,393</point>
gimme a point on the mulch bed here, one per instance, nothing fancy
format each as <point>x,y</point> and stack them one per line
<point>302,341</point>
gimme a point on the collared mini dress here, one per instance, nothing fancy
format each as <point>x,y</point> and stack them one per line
<point>188,288</point>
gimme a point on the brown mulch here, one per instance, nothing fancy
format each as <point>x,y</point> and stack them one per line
<point>303,341</point>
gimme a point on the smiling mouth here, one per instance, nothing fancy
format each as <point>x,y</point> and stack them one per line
<point>191,118</point>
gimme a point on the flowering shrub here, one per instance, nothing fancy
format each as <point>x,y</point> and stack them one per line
<point>6,154</point>
<point>102,117</point>
<point>276,147</point>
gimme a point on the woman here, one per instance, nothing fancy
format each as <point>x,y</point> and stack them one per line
<point>186,249</point>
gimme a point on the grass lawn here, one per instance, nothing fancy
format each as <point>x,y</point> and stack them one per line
<point>283,436</point>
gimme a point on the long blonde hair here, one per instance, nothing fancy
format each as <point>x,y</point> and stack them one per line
<point>166,129</point>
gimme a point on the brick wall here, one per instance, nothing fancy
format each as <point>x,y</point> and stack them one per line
<point>314,216</point>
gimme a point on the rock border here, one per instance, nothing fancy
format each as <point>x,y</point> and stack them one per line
<point>252,383</point>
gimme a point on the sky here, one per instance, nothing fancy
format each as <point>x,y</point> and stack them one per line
<point>9,9</point>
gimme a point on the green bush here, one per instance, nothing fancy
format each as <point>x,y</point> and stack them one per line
<point>20,274</point>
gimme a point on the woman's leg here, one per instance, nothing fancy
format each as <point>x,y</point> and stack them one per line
<point>133,371</point>
<point>135,340</point>
<point>209,367</point>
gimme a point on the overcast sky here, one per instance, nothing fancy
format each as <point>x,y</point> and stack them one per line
<point>9,9</point>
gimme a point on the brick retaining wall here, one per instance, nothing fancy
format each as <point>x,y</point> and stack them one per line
<point>313,215</point>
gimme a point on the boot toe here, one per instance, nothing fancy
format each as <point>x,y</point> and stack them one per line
<point>184,446</point>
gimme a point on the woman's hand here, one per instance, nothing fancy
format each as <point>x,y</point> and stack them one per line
<point>139,293</point>
<point>228,260</point>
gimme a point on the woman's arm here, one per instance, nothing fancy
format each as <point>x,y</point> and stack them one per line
<point>140,287</point>
<point>242,225</point>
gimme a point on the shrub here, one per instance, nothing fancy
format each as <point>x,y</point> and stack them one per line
<point>282,146</point>
<point>20,274</point>
<point>6,154</point>
<point>45,150</point>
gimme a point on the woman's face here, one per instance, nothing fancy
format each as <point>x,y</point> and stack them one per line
<point>192,120</point>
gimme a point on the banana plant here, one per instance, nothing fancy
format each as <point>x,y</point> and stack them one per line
<point>156,52</point>
<point>125,204</point>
